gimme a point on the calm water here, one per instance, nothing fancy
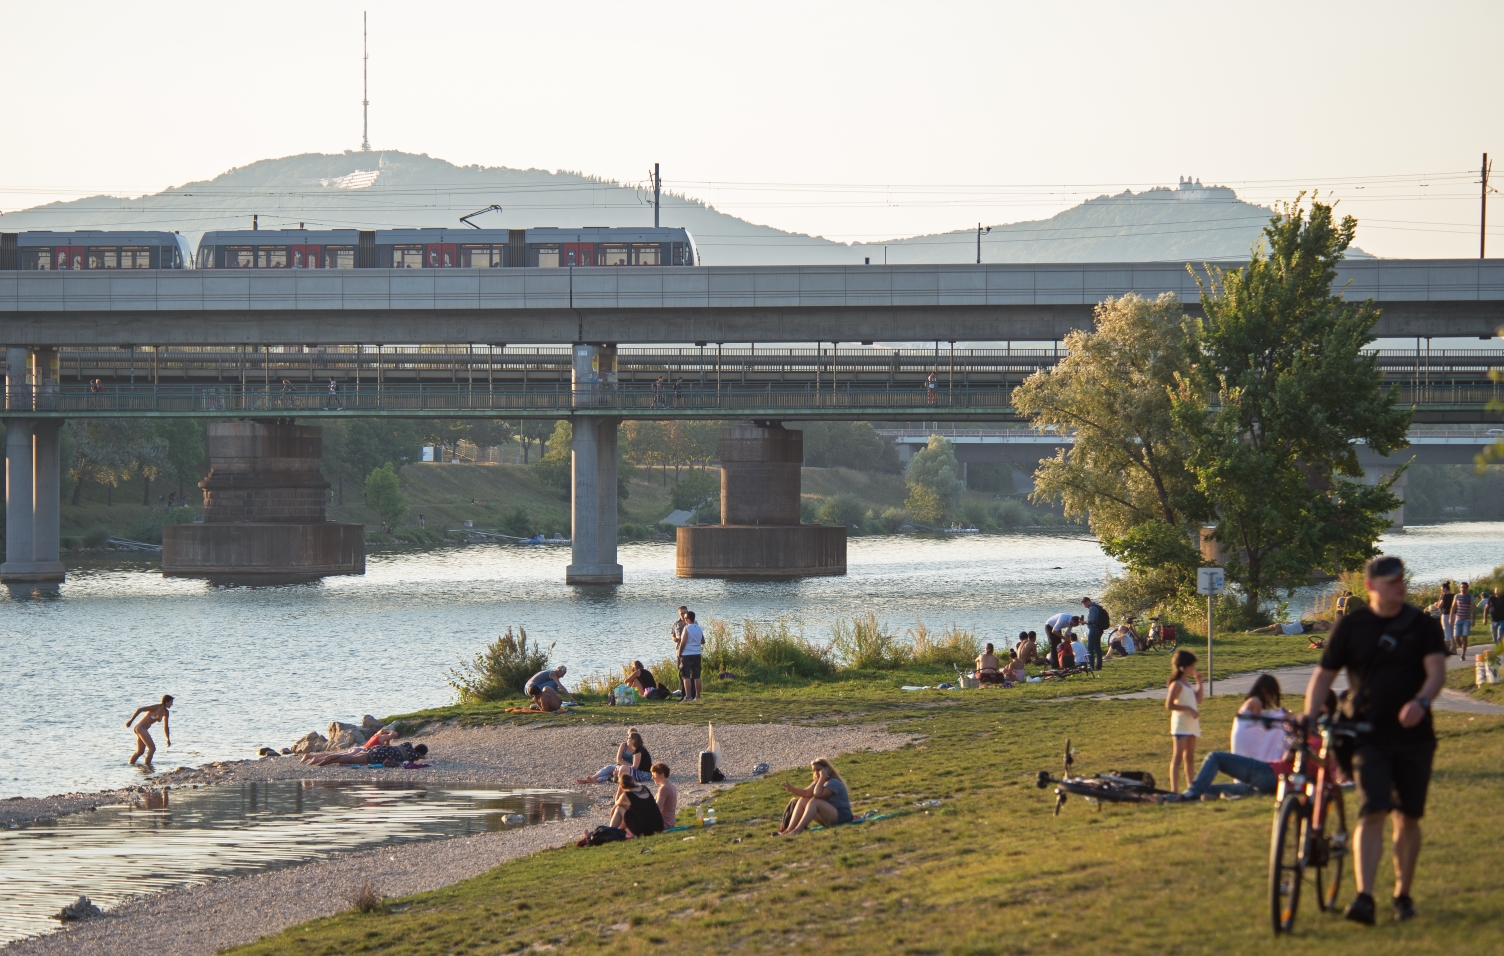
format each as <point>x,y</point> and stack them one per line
<point>190,836</point>
<point>254,667</point>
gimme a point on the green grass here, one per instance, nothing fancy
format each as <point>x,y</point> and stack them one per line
<point>988,871</point>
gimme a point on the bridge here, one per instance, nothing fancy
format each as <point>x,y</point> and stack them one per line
<point>764,304</point>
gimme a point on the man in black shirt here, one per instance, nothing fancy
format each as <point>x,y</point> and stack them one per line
<point>1395,656</point>
<point>1493,610</point>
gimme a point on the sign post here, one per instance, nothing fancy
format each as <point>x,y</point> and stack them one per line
<point>1211,582</point>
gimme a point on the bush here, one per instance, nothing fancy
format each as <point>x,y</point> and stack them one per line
<point>695,490</point>
<point>148,529</point>
<point>69,543</point>
<point>1010,513</point>
<point>383,493</point>
<point>952,647</point>
<point>976,514</point>
<point>844,509</point>
<point>767,651</point>
<point>809,513</point>
<point>500,671</point>
<point>890,520</point>
<point>864,644</point>
<point>97,537</point>
<point>925,505</point>
<point>518,524</point>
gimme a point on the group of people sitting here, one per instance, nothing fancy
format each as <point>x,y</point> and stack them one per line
<point>637,811</point>
<point>378,750</point>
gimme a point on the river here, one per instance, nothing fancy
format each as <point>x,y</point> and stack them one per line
<point>262,666</point>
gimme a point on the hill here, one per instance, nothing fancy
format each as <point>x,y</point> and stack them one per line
<point>369,190</point>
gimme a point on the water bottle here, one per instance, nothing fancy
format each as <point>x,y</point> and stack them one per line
<point>710,817</point>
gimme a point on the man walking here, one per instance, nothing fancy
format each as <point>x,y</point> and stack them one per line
<point>1444,605</point>
<point>1493,614</point>
<point>334,401</point>
<point>1096,623</point>
<point>1462,619</point>
<point>691,649</point>
<point>1395,658</point>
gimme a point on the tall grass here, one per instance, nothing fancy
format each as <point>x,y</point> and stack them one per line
<point>501,670</point>
<point>766,650</point>
<point>864,644</point>
<point>952,646</point>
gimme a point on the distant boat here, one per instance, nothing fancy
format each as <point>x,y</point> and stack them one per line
<point>556,539</point>
<point>957,529</point>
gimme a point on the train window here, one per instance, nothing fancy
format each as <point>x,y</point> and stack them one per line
<point>271,257</point>
<point>548,257</point>
<point>482,257</point>
<point>36,259</point>
<point>339,257</point>
<point>407,257</point>
<point>135,257</point>
<point>240,257</point>
<point>612,254</point>
<point>646,254</point>
<point>104,257</point>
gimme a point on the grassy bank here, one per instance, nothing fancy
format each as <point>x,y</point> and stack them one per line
<point>988,870</point>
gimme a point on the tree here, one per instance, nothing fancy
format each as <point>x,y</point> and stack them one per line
<point>111,450</point>
<point>855,445</point>
<point>187,458</point>
<point>557,464</point>
<point>934,482</point>
<point>354,447</point>
<point>695,490</point>
<point>1282,392</point>
<point>384,494</point>
<point>532,430</point>
<point>492,433</point>
<point>1127,472</point>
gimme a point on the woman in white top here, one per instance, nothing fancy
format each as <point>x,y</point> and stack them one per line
<point>1253,738</point>
<point>1183,701</point>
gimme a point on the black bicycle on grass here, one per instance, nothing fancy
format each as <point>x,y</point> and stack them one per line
<point>1115,786</point>
<point>1310,837</point>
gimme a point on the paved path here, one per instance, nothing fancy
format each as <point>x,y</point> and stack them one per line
<point>1294,680</point>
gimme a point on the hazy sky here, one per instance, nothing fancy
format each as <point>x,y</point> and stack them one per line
<point>944,114</point>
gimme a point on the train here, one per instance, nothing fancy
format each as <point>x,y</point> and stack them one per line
<point>436,248</point>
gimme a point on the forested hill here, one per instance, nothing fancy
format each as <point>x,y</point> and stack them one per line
<point>393,189</point>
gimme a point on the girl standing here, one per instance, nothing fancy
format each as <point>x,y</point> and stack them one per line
<point>1184,704</point>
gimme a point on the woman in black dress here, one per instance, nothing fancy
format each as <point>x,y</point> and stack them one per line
<point>635,809</point>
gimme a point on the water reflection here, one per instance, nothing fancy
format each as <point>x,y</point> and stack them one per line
<point>182,837</point>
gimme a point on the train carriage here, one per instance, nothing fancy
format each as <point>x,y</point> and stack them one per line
<point>94,249</point>
<point>548,247</point>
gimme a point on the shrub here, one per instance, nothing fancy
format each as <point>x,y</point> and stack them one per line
<point>367,898</point>
<point>844,509</point>
<point>953,646</point>
<point>925,504</point>
<point>500,671</point>
<point>809,512</point>
<point>383,493</point>
<point>975,514</point>
<point>69,542</point>
<point>97,537</point>
<point>695,490</point>
<point>890,520</point>
<point>518,524</point>
<point>864,644</point>
<point>1010,513</point>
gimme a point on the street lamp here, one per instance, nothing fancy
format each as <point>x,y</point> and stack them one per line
<point>980,233</point>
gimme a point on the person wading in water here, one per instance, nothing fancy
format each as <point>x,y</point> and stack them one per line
<point>153,713</point>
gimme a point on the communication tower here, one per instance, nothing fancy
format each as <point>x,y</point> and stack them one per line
<point>365,100</point>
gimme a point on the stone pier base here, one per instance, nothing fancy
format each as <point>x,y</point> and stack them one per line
<point>249,551</point>
<point>761,551</point>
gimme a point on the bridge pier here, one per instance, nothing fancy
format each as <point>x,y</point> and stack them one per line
<point>760,535</point>
<point>592,496</point>
<point>31,471</point>
<point>1377,473</point>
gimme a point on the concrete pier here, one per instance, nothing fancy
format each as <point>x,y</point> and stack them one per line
<point>592,501</point>
<point>31,470</point>
<point>264,510</point>
<point>760,535</point>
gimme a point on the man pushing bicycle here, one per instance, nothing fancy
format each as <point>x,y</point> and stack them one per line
<point>1395,656</point>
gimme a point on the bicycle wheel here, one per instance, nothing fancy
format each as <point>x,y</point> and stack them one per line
<point>1286,863</point>
<point>1329,877</point>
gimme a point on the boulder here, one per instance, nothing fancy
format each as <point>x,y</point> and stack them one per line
<point>266,752</point>
<point>369,725</point>
<point>312,742</point>
<point>79,909</point>
<point>344,736</point>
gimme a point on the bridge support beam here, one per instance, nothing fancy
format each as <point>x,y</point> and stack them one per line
<point>760,535</point>
<point>592,498</point>
<point>31,471</point>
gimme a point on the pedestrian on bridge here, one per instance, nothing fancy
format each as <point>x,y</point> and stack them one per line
<point>334,401</point>
<point>932,386</point>
<point>658,393</point>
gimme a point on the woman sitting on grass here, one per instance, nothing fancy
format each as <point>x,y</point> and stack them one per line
<point>825,801</point>
<point>632,761</point>
<point>645,684</point>
<point>635,809</point>
<point>1014,673</point>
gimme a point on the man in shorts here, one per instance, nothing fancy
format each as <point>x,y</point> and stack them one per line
<point>1462,619</point>
<point>1493,613</point>
<point>691,649</point>
<point>1395,656</point>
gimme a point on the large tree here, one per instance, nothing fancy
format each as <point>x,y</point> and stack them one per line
<point>1283,392</point>
<point>1126,473</point>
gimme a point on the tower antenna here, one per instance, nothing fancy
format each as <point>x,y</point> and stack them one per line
<point>365,100</point>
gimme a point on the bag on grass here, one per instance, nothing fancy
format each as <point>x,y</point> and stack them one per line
<point>788,814</point>
<point>603,834</point>
<point>710,759</point>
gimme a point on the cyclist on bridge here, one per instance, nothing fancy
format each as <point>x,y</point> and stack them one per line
<point>1395,656</point>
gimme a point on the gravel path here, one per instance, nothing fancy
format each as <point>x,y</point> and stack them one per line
<point>213,916</point>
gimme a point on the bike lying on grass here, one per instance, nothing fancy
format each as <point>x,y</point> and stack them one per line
<point>1126,786</point>
<point>1310,822</point>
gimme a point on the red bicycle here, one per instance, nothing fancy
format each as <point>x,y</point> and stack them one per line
<point>1310,837</point>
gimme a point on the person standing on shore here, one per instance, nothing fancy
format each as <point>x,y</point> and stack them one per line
<point>153,713</point>
<point>1096,623</point>
<point>1493,614</point>
<point>691,649</point>
<point>1443,605</point>
<point>1462,619</point>
<point>1396,663</point>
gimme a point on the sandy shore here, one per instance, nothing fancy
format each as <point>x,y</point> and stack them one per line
<point>212,916</point>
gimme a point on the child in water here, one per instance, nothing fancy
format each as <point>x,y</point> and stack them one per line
<point>153,713</point>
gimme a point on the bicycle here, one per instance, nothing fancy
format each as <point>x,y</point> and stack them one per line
<point>1310,821</point>
<point>1112,787</point>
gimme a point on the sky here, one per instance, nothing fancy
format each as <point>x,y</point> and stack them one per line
<point>854,121</point>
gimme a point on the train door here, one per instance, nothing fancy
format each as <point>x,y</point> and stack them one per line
<point>69,257</point>
<point>442,255</point>
<point>304,257</point>
<point>579,254</point>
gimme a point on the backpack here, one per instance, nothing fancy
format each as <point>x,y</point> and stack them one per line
<point>603,834</point>
<point>1103,618</point>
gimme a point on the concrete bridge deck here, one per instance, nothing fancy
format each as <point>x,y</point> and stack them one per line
<point>963,302</point>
